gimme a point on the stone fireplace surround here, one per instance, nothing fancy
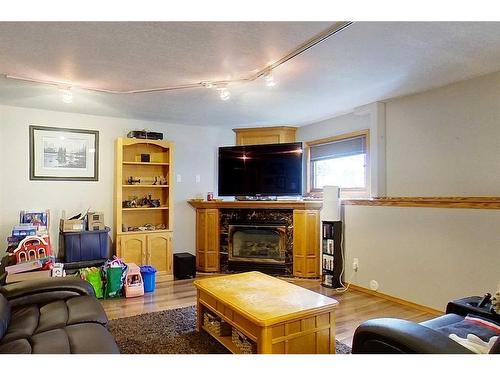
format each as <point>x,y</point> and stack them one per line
<point>255,217</point>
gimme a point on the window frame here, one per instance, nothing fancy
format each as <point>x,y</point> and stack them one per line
<point>345,192</point>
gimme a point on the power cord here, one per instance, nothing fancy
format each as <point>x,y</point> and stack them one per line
<point>344,287</point>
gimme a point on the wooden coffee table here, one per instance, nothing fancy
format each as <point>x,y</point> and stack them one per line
<point>276,316</point>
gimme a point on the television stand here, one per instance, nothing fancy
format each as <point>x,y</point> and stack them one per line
<point>256,198</point>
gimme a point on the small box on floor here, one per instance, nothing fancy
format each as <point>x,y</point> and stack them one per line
<point>184,266</point>
<point>95,221</point>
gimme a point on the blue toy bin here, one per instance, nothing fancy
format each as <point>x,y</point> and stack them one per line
<point>149,278</point>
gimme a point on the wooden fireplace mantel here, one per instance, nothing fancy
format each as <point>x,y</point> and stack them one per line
<point>306,227</point>
<point>280,204</point>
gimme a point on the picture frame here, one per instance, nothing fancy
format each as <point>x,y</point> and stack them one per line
<point>63,154</point>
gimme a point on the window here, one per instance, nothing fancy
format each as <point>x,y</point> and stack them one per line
<point>340,161</point>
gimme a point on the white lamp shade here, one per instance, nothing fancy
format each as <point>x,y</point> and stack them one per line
<point>331,203</point>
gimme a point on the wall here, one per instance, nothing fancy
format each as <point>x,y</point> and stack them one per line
<point>195,153</point>
<point>443,142</point>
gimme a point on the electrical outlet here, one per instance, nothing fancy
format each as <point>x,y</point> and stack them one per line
<point>179,178</point>
<point>355,264</point>
<point>198,178</point>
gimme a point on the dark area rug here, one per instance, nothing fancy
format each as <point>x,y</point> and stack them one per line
<point>169,332</point>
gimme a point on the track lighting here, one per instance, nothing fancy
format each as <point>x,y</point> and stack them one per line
<point>66,95</point>
<point>224,94</point>
<point>268,77</point>
<point>208,84</point>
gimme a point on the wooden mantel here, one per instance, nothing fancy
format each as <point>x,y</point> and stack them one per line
<point>306,226</point>
<point>279,204</point>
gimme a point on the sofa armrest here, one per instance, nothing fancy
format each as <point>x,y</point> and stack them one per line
<point>389,335</point>
<point>44,291</point>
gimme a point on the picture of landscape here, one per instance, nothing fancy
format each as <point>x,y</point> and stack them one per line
<point>61,152</point>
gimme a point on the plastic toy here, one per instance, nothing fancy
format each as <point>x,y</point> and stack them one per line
<point>33,248</point>
<point>134,285</point>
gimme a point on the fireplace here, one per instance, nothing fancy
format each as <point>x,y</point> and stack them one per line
<point>256,240</point>
<point>261,243</point>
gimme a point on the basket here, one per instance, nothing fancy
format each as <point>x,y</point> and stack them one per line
<point>215,325</point>
<point>242,342</point>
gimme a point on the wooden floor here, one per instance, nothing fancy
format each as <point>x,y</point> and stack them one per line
<point>354,308</point>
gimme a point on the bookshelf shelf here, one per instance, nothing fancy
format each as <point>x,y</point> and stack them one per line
<point>331,254</point>
<point>143,163</point>
<point>144,208</point>
<point>144,186</point>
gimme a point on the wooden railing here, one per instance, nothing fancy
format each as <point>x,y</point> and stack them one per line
<point>440,202</point>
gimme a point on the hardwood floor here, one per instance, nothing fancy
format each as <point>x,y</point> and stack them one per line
<point>355,306</point>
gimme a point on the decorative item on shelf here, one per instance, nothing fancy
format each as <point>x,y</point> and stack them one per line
<point>133,181</point>
<point>144,134</point>
<point>210,196</point>
<point>143,158</point>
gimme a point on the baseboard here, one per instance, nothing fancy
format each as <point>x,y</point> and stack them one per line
<point>414,305</point>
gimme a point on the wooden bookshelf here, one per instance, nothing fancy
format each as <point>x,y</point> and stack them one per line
<point>151,247</point>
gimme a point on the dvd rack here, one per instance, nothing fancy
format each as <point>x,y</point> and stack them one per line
<point>331,253</point>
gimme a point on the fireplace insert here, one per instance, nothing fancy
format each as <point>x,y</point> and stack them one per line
<point>257,243</point>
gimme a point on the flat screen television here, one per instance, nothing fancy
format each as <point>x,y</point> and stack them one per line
<point>261,170</point>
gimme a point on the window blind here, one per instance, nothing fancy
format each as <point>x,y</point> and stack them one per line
<point>339,149</point>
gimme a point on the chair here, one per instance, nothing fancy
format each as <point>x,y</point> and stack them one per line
<point>399,336</point>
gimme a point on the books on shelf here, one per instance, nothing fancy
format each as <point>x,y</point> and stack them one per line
<point>328,263</point>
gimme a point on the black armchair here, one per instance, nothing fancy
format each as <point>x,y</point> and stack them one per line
<point>398,336</point>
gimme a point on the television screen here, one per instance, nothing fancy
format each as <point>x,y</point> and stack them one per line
<point>274,169</point>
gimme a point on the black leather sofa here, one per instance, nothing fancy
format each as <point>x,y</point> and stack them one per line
<point>398,336</point>
<point>58,316</point>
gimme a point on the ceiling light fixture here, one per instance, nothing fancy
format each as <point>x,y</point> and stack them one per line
<point>224,93</point>
<point>268,77</point>
<point>66,95</point>
<point>322,36</point>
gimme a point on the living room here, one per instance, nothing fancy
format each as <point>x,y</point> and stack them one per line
<point>406,111</point>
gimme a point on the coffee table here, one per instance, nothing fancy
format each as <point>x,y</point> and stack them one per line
<point>274,315</point>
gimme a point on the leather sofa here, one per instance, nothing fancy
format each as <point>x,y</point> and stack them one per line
<point>398,336</point>
<point>57,315</point>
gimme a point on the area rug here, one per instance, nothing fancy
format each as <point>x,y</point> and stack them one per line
<point>170,332</point>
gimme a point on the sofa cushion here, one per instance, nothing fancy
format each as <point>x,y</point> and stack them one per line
<point>84,338</point>
<point>442,321</point>
<point>4,315</point>
<point>27,321</point>
<point>481,327</point>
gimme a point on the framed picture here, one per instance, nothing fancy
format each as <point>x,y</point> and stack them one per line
<point>59,154</point>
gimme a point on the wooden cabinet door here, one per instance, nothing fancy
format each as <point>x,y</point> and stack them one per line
<point>306,249</point>
<point>207,240</point>
<point>159,254</point>
<point>132,248</point>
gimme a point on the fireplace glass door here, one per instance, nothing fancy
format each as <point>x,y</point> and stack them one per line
<point>257,243</point>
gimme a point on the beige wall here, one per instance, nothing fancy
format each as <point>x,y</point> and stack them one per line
<point>195,154</point>
<point>445,142</point>
<point>438,143</point>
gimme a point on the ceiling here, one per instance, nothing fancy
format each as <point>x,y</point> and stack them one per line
<point>367,62</point>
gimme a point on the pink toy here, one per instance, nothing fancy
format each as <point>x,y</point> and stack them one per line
<point>134,286</point>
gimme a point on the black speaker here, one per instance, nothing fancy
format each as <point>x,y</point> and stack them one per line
<point>184,266</point>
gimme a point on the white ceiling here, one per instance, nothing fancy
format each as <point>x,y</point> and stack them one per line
<point>367,62</point>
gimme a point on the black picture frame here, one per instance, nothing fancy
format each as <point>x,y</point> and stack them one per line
<point>33,154</point>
